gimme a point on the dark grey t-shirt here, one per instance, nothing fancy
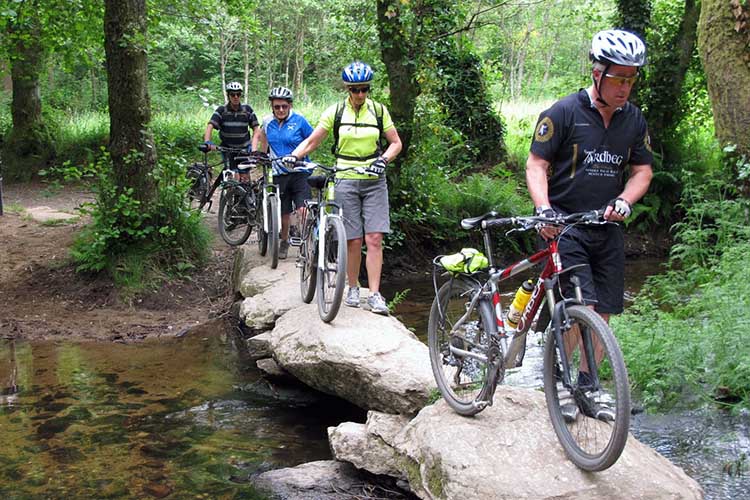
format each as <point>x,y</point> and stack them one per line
<point>587,160</point>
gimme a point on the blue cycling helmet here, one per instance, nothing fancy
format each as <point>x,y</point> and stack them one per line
<point>356,73</point>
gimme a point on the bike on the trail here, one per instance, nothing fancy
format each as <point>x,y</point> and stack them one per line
<point>322,243</point>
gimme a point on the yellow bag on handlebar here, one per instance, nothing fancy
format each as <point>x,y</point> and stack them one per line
<point>468,260</point>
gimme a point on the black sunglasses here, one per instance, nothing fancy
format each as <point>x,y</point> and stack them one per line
<point>235,94</point>
<point>359,90</point>
<point>279,107</point>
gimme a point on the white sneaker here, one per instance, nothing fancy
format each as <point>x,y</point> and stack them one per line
<point>352,297</point>
<point>568,406</point>
<point>604,405</point>
<point>377,304</point>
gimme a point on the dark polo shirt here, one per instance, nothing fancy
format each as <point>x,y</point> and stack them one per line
<point>588,160</point>
<point>234,126</point>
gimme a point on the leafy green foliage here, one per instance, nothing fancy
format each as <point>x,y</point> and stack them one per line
<point>130,240</point>
<point>686,336</point>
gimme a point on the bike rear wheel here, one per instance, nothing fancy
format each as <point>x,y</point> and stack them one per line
<point>308,260</point>
<point>234,216</point>
<point>594,439</point>
<point>331,279</point>
<point>461,379</point>
<point>198,187</point>
<point>273,230</point>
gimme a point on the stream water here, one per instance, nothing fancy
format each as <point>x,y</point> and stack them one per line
<point>184,417</point>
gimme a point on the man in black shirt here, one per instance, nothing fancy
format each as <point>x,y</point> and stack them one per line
<point>234,121</point>
<point>582,149</point>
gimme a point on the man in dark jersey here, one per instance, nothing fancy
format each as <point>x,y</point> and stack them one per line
<point>591,150</point>
<point>234,121</point>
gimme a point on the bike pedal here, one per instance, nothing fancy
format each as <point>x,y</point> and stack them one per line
<point>295,241</point>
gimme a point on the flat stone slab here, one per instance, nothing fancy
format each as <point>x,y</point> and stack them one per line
<point>47,214</point>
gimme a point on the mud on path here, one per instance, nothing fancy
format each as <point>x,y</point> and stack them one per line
<point>42,297</point>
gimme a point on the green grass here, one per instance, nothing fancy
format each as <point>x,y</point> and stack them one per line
<point>14,208</point>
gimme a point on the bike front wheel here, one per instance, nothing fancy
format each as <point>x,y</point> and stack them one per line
<point>234,217</point>
<point>591,417</point>
<point>331,278</point>
<point>308,260</point>
<point>274,225</point>
<point>260,224</point>
<point>461,355</point>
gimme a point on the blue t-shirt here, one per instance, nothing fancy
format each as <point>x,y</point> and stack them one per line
<point>284,137</point>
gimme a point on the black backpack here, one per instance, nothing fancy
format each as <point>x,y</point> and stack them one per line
<point>381,144</point>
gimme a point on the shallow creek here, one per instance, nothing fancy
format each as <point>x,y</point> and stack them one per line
<point>183,417</point>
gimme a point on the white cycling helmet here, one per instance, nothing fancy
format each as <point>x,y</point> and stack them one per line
<point>281,93</point>
<point>234,87</point>
<point>618,47</point>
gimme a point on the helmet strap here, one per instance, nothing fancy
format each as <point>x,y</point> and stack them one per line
<point>598,86</point>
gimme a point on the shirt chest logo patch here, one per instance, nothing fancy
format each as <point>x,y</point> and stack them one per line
<point>602,158</point>
<point>545,130</point>
<point>291,126</point>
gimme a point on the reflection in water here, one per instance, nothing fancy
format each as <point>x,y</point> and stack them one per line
<point>181,417</point>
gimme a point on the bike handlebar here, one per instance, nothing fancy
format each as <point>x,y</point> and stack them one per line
<point>489,220</point>
<point>203,148</point>
<point>309,166</point>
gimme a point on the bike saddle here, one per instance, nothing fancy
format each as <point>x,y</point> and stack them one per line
<point>317,181</point>
<point>473,222</point>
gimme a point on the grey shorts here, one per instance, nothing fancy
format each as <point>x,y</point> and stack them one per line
<point>365,206</point>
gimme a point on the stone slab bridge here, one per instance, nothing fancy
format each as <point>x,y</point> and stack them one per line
<point>509,451</point>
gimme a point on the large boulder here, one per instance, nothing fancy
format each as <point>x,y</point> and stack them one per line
<point>369,446</point>
<point>370,360</point>
<point>322,480</point>
<point>509,451</point>
<point>268,293</point>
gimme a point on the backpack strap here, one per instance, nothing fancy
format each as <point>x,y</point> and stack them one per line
<point>337,123</point>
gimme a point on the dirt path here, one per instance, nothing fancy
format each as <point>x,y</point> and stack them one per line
<point>41,297</point>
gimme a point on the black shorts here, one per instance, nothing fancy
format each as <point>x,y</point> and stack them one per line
<point>292,188</point>
<point>603,280</point>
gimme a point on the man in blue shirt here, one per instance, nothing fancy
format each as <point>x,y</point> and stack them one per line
<point>284,130</point>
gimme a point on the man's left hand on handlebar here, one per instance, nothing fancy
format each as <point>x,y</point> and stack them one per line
<point>617,210</point>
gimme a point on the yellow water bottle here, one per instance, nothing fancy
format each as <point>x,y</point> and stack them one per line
<point>523,294</point>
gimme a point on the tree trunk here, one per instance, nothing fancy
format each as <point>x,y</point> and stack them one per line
<point>724,42</point>
<point>131,145</point>
<point>224,50</point>
<point>29,145</point>
<point>299,58</point>
<point>246,60</point>
<point>401,67</point>
<point>661,93</point>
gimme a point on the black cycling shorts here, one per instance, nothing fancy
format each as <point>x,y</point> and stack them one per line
<point>292,188</point>
<point>603,280</point>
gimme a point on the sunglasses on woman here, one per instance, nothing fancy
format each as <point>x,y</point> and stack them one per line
<point>359,90</point>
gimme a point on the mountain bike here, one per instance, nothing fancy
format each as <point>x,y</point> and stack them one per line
<point>202,187</point>
<point>322,244</point>
<point>268,217</point>
<point>471,346</point>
